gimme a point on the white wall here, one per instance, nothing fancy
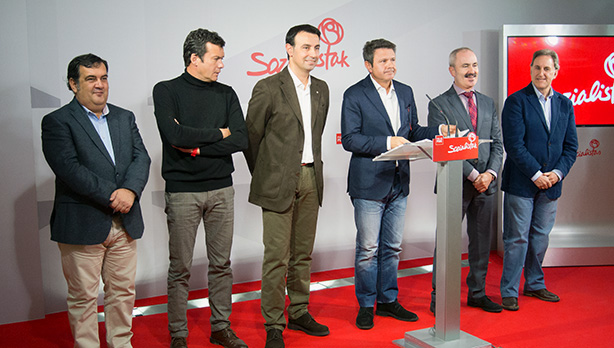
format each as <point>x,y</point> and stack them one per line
<point>142,41</point>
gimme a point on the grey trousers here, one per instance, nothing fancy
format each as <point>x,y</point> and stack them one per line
<point>184,211</point>
<point>479,208</point>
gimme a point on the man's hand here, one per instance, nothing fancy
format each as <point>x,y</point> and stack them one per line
<point>552,177</point>
<point>543,182</point>
<point>397,141</point>
<point>225,132</point>
<point>482,182</point>
<point>122,200</point>
<point>444,130</point>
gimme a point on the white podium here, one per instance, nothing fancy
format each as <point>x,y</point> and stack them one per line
<point>449,154</point>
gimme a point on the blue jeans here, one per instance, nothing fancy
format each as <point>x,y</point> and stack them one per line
<point>527,223</point>
<point>379,225</point>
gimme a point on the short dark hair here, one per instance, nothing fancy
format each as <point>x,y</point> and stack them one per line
<point>86,60</point>
<point>196,43</point>
<point>547,52</point>
<point>291,34</point>
<point>369,49</point>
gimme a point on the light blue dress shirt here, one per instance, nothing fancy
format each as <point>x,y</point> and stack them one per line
<point>102,128</point>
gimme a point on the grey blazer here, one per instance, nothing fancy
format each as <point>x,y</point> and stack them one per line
<point>490,154</point>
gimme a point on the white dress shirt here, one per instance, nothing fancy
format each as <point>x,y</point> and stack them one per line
<point>304,99</point>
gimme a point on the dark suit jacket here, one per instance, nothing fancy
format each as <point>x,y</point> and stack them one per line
<point>490,154</point>
<point>86,175</point>
<point>531,147</point>
<point>276,136</point>
<point>365,126</point>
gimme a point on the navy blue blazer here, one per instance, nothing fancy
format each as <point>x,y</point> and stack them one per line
<point>365,126</point>
<point>531,147</point>
<point>86,175</point>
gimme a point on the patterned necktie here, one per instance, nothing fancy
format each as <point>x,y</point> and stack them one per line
<point>473,110</point>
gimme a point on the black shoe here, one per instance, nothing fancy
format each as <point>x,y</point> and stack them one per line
<point>179,342</point>
<point>274,339</point>
<point>485,303</point>
<point>227,339</point>
<point>308,325</point>
<point>396,311</point>
<point>364,320</point>
<point>543,295</point>
<point>510,303</point>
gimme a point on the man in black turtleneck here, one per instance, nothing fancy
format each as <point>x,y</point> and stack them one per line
<point>201,124</point>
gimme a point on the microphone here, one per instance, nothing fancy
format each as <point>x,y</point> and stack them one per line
<point>444,116</point>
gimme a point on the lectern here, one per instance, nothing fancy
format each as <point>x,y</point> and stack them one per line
<point>449,154</point>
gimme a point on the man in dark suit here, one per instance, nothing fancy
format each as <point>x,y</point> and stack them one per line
<point>285,121</point>
<point>101,167</point>
<point>539,135</point>
<point>471,110</point>
<point>379,114</point>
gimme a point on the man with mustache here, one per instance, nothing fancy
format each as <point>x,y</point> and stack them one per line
<point>201,125</point>
<point>474,111</point>
<point>285,122</point>
<point>378,114</point>
<point>539,134</point>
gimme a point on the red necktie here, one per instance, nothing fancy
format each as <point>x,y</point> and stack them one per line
<point>473,110</point>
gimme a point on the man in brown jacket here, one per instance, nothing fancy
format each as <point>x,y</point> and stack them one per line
<point>285,121</point>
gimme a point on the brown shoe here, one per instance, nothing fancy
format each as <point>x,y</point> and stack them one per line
<point>510,303</point>
<point>227,339</point>
<point>542,294</point>
<point>179,342</point>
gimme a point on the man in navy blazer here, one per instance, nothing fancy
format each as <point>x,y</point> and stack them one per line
<point>479,174</point>
<point>101,167</point>
<point>379,114</point>
<point>539,135</point>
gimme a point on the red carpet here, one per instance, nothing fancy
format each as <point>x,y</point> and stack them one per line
<point>583,318</point>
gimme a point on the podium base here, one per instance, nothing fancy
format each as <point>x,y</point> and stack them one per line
<point>425,339</point>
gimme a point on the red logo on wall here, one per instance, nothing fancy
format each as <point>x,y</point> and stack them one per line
<point>331,34</point>
<point>594,144</point>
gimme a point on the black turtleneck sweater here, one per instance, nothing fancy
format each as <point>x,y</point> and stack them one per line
<point>190,113</point>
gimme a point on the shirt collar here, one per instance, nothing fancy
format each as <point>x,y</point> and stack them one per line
<point>540,95</point>
<point>105,111</point>
<point>460,91</point>
<point>297,82</point>
<point>379,87</point>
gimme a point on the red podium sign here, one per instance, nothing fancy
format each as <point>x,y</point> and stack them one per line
<point>452,149</point>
